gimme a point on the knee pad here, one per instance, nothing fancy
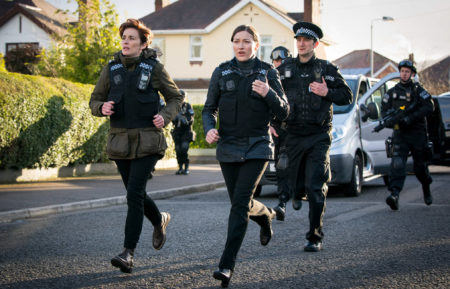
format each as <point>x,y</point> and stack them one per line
<point>397,163</point>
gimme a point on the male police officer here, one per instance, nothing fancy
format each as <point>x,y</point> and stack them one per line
<point>312,85</point>
<point>410,132</point>
<point>183,134</point>
<point>278,130</point>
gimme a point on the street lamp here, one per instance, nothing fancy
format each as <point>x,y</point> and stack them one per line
<point>385,18</point>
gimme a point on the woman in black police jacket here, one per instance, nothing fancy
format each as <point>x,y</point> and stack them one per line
<point>127,92</point>
<point>247,93</point>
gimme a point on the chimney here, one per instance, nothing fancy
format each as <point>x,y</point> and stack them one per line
<point>160,4</point>
<point>311,12</point>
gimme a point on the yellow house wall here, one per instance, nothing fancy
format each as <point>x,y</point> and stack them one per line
<point>217,44</point>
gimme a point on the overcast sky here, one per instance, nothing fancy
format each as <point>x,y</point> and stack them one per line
<point>420,26</point>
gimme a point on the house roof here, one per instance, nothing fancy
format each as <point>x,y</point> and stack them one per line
<point>42,13</point>
<point>359,61</point>
<point>205,15</point>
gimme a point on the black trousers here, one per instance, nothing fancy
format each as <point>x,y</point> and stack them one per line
<point>282,173</point>
<point>404,143</point>
<point>181,149</point>
<point>135,174</point>
<point>241,180</point>
<point>309,172</point>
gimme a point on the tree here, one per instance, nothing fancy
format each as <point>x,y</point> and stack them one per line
<point>89,44</point>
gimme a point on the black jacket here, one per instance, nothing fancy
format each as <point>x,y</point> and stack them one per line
<point>244,117</point>
<point>310,113</point>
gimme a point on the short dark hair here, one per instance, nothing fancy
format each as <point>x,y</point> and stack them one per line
<point>248,28</point>
<point>145,33</point>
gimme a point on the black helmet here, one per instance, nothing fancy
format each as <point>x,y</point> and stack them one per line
<point>407,63</point>
<point>280,52</point>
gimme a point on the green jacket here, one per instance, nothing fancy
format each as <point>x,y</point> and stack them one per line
<point>134,143</point>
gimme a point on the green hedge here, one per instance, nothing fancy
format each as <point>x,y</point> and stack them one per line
<point>46,122</point>
<point>200,141</point>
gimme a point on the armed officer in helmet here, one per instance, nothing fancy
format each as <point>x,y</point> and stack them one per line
<point>312,85</point>
<point>410,132</point>
<point>183,134</point>
<point>278,130</point>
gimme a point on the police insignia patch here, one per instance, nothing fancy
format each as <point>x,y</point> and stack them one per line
<point>230,85</point>
<point>117,79</point>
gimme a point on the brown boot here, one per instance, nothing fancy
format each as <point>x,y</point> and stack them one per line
<point>124,261</point>
<point>159,232</point>
<point>266,232</point>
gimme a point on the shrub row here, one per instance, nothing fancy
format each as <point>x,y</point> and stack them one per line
<point>46,122</point>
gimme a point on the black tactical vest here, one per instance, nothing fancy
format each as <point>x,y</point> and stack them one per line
<point>241,113</point>
<point>309,113</point>
<point>405,96</point>
<point>136,102</point>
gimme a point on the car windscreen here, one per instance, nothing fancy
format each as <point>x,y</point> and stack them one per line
<point>338,109</point>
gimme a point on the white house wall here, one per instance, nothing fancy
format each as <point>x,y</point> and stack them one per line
<point>217,43</point>
<point>9,33</point>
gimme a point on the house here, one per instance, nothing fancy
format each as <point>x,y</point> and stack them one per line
<point>436,78</point>
<point>194,36</point>
<point>29,24</point>
<point>358,62</point>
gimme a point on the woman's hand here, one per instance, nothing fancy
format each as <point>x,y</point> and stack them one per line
<point>261,88</point>
<point>212,136</point>
<point>108,108</point>
<point>158,121</point>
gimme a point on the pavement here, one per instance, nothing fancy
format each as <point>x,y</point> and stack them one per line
<point>37,199</point>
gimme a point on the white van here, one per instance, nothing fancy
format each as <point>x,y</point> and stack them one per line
<point>357,153</point>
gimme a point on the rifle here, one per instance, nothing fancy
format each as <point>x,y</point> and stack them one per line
<point>394,116</point>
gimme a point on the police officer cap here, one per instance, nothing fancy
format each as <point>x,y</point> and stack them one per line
<point>407,63</point>
<point>280,52</point>
<point>307,29</point>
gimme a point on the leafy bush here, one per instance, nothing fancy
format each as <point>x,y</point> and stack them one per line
<point>2,63</point>
<point>200,141</point>
<point>46,122</point>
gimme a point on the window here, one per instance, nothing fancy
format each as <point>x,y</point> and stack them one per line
<point>26,46</point>
<point>159,44</point>
<point>196,48</point>
<point>265,48</point>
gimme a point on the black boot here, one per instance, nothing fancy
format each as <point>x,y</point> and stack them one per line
<point>392,201</point>
<point>281,211</point>
<point>186,168</point>
<point>223,275</point>
<point>180,169</point>
<point>296,204</point>
<point>427,198</point>
<point>124,261</point>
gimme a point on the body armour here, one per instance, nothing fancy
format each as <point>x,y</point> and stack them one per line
<point>412,97</point>
<point>310,113</point>
<point>135,101</point>
<point>241,112</point>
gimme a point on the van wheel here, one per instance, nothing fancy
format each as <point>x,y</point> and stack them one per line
<point>257,191</point>
<point>354,188</point>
